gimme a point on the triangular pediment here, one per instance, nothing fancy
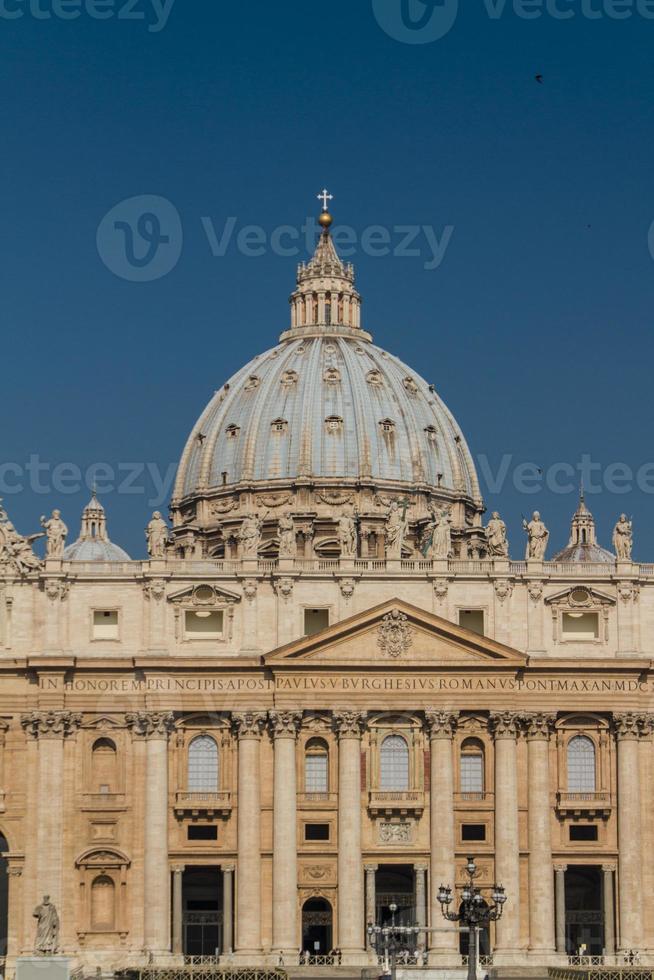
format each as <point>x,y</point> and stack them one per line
<point>396,634</point>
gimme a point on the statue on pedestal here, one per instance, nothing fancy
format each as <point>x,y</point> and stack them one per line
<point>397,526</point>
<point>623,538</point>
<point>347,536</point>
<point>47,928</point>
<point>537,537</point>
<point>157,535</point>
<point>249,536</point>
<point>498,545</point>
<point>442,539</point>
<point>56,532</point>
<point>15,550</point>
<point>287,539</point>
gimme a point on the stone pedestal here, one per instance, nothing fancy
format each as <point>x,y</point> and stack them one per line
<point>44,968</point>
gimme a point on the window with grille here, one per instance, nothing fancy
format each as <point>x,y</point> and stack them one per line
<point>581,765</point>
<point>203,765</point>
<point>472,769</point>
<point>316,769</point>
<point>394,768</point>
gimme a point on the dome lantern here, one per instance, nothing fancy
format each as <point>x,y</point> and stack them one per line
<point>93,543</point>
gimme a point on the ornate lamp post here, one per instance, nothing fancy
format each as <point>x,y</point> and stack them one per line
<point>386,940</point>
<point>474,911</point>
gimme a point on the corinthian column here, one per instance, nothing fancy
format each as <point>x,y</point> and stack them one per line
<point>50,728</point>
<point>441,726</point>
<point>284,726</point>
<point>249,726</point>
<point>348,726</point>
<point>505,727</point>
<point>541,880</point>
<point>155,727</point>
<point>628,728</point>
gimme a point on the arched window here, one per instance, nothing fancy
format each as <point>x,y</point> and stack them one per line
<point>104,766</point>
<point>394,769</point>
<point>472,767</point>
<point>316,767</point>
<point>581,765</point>
<point>203,765</point>
<point>103,904</point>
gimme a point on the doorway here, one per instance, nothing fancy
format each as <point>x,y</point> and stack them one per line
<point>317,927</point>
<point>584,914</point>
<point>394,884</point>
<point>202,913</point>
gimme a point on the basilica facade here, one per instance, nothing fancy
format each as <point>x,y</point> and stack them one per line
<point>328,685</point>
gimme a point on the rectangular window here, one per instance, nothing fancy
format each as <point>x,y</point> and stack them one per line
<point>316,831</point>
<point>583,832</point>
<point>472,772</point>
<point>315,620</point>
<point>105,624</point>
<point>201,832</point>
<point>316,774</point>
<point>473,831</point>
<point>203,625</point>
<point>472,619</point>
<point>580,626</point>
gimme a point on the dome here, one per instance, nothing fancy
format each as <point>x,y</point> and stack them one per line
<point>583,545</point>
<point>329,408</point>
<point>323,422</point>
<point>93,543</point>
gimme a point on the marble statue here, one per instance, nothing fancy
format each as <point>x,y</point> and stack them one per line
<point>442,540</point>
<point>287,539</point>
<point>498,545</point>
<point>396,529</point>
<point>249,536</point>
<point>157,535</point>
<point>623,538</point>
<point>347,535</point>
<point>47,928</point>
<point>55,532</point>
<point>16,550</point>
<point>537,537</point>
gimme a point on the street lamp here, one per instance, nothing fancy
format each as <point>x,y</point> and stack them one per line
<point>474,911</point>
<point>386,940</point>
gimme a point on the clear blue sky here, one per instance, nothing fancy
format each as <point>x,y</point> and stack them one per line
<point>536,326</point>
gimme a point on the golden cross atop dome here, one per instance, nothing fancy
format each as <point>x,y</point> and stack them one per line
<point>325,197</point>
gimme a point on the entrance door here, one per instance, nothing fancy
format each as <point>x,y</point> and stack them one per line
<point>202,911</point>
<point>584,917</point>
<point>317,927</point>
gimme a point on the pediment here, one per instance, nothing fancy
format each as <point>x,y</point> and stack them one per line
<point>204,594</point>
<point>580,596</point>
<point>396,634</point>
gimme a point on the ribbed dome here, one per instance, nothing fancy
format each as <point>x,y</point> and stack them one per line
<point>326,407</point>
<point>93,543</point>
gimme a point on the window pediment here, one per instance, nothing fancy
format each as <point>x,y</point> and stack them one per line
<point>204,595</point>
<point>580,597</point>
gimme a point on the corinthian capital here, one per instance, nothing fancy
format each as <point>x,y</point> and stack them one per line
<point>151,724</point>
<point>441,724</point>
<point>505,724</point>
<point>249,724</point>
<point>285,724</point>
<point>349,724</point>
<point>50,724</point>
<point>629,725</point>
<point>538,725</point>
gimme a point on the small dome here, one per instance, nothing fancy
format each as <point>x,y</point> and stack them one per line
<point>583,545</point>
<point>93,543</point>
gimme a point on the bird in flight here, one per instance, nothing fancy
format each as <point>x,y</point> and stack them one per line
<point>539,79</point>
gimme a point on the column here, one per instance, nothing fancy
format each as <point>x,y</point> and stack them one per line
<point>628,727</point>
<point>505,727</point>
<point>349,726</point>
<point>420,871</point>
<point>155,727</point>
<point>249,726</point>
<point>50,728</point>
<point>371,896</point>
<point>228,909</point>
<point>441,726</point>
<point>541,884</point>
<point>559,878</point>
<point>284,726</point>
<point>609,909</point>
<point>178,871</point>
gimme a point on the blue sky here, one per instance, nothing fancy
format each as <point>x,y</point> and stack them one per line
<point>534,322</point>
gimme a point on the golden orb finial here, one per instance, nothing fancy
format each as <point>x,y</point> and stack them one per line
<point>325,220</point>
